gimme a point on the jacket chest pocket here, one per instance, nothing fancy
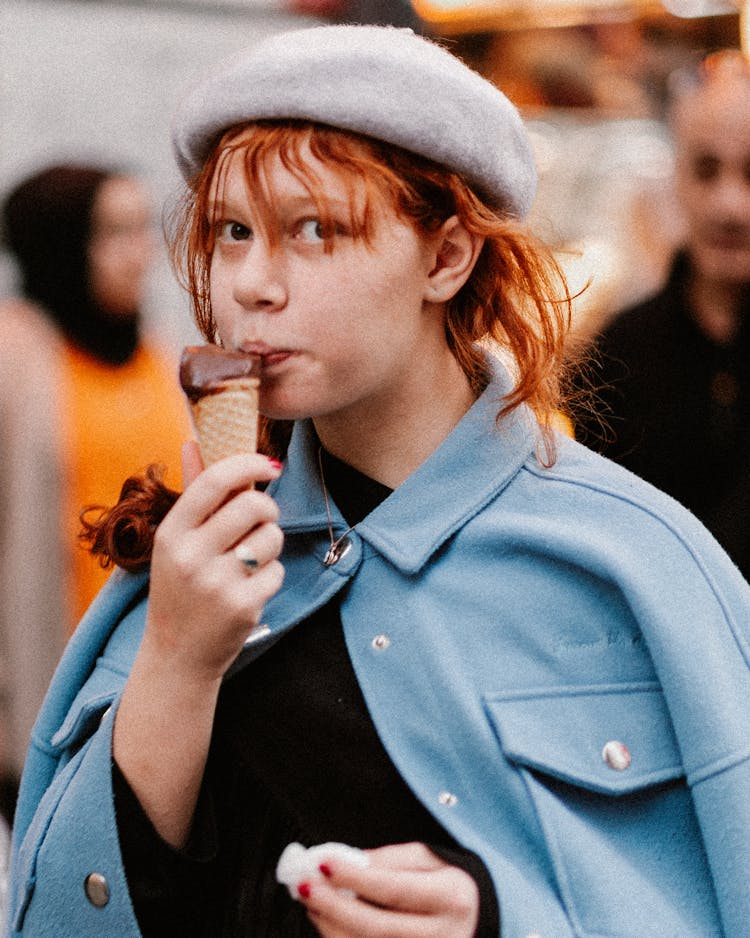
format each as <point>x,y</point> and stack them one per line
<point>603,770</point>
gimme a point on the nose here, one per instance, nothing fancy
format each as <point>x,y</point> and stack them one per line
<point>260,282</point>
<point>731,197</point>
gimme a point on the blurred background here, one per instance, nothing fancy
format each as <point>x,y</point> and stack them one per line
<point>98,80</point>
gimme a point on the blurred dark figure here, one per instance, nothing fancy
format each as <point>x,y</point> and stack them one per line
<point>84,401</point>
<point>672,374</point>
<point>61,224</point>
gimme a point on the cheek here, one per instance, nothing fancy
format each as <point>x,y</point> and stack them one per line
<point>103,274</point>
<point>219,291</point>
<point>696,209</point>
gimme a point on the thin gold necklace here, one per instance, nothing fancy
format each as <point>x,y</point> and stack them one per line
<point>341,545</point>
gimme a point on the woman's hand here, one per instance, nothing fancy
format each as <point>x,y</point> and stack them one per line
<point>203,600</point>
<point>405,892</point>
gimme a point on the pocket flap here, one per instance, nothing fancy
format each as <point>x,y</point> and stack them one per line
<point>612,739</point>
<point>88,708</point>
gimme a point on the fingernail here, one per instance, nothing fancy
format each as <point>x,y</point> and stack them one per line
<point>304,890</point>
<point>325,869</point>
<point>275,463</point>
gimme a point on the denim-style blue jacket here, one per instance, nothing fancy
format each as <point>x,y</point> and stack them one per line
<point>555,659</point>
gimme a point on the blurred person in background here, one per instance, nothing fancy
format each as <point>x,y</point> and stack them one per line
<point>84,400</point>
<point>672,374</point>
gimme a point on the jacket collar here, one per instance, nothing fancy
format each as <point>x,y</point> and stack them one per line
<point>478,458</point>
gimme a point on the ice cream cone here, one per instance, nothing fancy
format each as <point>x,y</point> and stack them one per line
<point>226,420</point>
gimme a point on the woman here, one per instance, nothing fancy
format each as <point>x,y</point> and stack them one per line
<point>85,400</point>
<point>468,669</point>
<point>82,236</point>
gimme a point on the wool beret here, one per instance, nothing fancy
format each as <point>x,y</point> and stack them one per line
<point>381,81</point>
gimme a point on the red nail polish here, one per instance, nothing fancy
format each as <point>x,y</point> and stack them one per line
<point>275,463</point>
<point>325,869</point>
<point>304,890</point>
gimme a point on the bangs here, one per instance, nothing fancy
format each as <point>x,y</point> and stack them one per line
<point>292,144</point>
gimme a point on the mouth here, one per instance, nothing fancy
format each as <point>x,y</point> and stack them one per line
<point>728,238</point>
<point>269,355</point>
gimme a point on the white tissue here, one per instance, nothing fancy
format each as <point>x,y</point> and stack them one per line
<point>298,864</point>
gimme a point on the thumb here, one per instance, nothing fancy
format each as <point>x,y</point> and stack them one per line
<point>192,462</point>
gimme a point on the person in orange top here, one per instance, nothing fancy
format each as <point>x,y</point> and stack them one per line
<point>90,402</point>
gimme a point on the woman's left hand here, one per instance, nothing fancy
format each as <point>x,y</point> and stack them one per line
<point>405,892</point>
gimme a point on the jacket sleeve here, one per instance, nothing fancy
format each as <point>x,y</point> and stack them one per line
<point>705,671</point>
<point>67,877</point>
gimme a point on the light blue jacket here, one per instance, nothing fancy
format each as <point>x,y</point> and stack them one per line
<point>506,622</point>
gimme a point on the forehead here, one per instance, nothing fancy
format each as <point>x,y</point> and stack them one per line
<point>117,198</point>
<point>716,117</point>
<point>269,178</point>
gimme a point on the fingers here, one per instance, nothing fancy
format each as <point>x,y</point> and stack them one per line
<point>243,512</point>
<point>409,856</point>
<point>247,592</point>
<point>419,889</point>
<point>209,490</point>
<point>257,556</point>
<point>192,463</point>
<point>220,509</point>
<point>345,918</point>
<point>261,546</point>
<point>406,891</point>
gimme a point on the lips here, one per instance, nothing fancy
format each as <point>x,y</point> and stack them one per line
<point>275,357</point>
<point>269,355</point>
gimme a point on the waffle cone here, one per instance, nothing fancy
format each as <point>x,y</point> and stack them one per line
<point>226,421</point>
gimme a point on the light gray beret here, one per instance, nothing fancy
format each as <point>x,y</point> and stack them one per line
<point>381,81</point>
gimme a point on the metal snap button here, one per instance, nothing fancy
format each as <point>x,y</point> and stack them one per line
<point>616,755</point>
<point>97,890</point>
<point>447,799</point>
<point>381,642</point>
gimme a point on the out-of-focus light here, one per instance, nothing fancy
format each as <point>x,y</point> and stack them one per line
<point>519,14</point>
<point>545,142</point>
<point>565,12</point>
<point>689,9</point>
<point>655,158</point>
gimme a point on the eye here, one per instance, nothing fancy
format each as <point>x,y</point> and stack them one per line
<point>234,231</point>
<point>311,230</point>
<point>706,168</point>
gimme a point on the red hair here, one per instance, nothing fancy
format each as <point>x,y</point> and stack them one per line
<point>516,298</point>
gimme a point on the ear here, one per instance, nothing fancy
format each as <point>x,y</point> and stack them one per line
<point>455,254</point>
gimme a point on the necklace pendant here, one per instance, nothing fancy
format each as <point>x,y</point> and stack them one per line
<point>336,551</point>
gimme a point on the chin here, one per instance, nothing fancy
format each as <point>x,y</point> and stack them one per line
<point>283,410</point>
